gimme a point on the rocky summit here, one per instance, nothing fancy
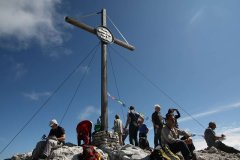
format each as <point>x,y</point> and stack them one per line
<point>126,152</point>
<point>107,145</point>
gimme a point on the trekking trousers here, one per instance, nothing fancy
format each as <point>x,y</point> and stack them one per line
<point>157,137</point>
<point>133,135</point>
<point>180,146</point>
<point>51,143</point>
<point>223,147</point>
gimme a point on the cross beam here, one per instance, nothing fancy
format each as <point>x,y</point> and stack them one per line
<point>93,31</point>
<point>104,101</point>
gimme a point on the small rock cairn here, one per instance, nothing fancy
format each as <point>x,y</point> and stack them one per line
<point>106,139</point>
<point>108,142</point>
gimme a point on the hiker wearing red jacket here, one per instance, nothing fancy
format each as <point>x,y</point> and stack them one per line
<point>84,132</point>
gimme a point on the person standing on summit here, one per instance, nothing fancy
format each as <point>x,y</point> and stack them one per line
<point>157,121</point>
<point>132,121</point>
<point>118,128</point>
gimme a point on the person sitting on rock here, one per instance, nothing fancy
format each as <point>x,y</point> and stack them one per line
<point>213,140</point>
<point>143,130</point>
<point>170,137</point>
<point>132,118</point>
<point>56,137</point>
<point>118,128</point>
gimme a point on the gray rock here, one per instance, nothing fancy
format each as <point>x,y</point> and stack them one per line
<point>212,150</point>
<point>127,152</point>
<point>108,146</point>
<point>214,154</point>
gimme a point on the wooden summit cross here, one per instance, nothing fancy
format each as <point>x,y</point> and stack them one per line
<point>106,37</point>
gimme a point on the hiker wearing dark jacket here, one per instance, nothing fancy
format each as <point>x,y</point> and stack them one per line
<point>132,119</point>
<point>178,115</point>
<point>157,121</point>
<point>56,137</point>
<point>213,140</point>
<point>170,137</point>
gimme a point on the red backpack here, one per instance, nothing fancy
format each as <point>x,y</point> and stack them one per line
<point>89,153</point>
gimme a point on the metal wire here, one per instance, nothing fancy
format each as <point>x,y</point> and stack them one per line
<point>89,15</point>
<point>117,29</point>
<point>115,80</point>
<point>78,86</point>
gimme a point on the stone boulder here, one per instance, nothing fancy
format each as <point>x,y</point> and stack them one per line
<point>127,152</point>
<point>215,154</point>
<point>61,153</point>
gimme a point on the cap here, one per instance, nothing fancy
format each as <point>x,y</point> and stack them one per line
<point>52,122</point>
<point>131,108</point>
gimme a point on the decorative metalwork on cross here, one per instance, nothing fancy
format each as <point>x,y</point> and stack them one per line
<point>104,34</point>
<point>106,37</point>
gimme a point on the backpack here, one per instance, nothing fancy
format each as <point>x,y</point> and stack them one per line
<point>134,118</point>
<point>97,127</point>
<point>170,154</point>
<point>143,143</point>
<point>157,155</point>
<point>89,153</point>
<point>164,153</point>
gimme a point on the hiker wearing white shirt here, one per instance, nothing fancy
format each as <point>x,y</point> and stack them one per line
<point>118,128</point>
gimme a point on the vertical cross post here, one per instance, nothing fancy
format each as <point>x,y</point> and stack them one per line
<point>104,99</point>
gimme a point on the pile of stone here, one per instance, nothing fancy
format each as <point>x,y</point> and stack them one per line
<point>106,139</point>
<point>109,143</point>
<point>128,152</point>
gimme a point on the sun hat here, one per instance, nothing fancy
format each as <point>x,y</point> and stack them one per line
<point>52,122</point>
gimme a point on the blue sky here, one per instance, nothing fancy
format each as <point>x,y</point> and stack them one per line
<point>189,49</point>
